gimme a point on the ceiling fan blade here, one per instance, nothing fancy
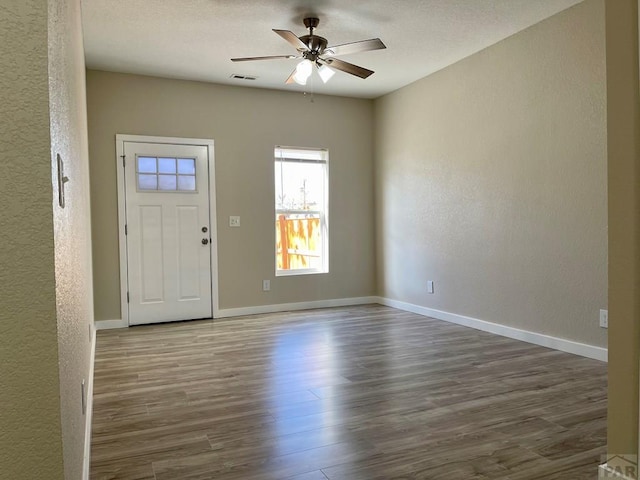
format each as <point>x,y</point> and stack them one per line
<point>290,80</point>
<point>270,57</point>
<point>291,37</point>
<point>355,47</point>
<point>346,67</point>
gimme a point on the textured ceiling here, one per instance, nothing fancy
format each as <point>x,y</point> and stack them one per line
<point>194,39</point>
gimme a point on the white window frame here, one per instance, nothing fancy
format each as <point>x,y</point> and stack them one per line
<point>323,153</point>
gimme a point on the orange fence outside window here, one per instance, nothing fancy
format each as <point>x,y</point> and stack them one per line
<point>298,241</point>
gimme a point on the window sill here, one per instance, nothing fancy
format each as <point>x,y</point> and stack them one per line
<point>293,273</point>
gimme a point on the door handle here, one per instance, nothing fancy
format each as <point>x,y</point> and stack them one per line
<point>205,241</point>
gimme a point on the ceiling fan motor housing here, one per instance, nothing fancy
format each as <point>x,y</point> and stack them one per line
<point>315,44</point>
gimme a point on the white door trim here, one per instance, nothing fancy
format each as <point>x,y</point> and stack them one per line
<point>122,240</point>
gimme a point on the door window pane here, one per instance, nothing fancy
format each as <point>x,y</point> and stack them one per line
<point>187,183</point>
<point>167,182</point>
<point>147,182</point>
<point>167,165</point>
<point>187,166</point>
<point>147,164</point>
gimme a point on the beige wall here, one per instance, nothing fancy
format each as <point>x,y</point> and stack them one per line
<point>31,424</point>
<point>623,115</point>
<point>28,348</point>
<point>491,181</point>
<point>245,124</point>
<point>45,276</point>
<point>29,392</point>
<point>72,226</point>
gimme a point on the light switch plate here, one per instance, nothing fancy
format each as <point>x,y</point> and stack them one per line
<point>234,221</point>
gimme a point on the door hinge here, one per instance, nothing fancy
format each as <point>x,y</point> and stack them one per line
<point>123,157</point>
<point>126,231</point>
<point>127,297</point>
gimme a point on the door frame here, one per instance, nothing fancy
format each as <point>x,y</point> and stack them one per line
<point>122,212</point>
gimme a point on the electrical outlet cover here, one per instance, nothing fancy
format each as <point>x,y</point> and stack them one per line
<point>604,318</point>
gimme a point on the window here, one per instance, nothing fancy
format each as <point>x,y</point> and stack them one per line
<point>301,186</point>
<point>166,174</point>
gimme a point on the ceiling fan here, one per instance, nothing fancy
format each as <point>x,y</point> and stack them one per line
<point>313,50</point>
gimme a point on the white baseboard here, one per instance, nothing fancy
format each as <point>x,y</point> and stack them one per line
<point>286,307</point>
<point>110,324</point>
<point>607,473</point>
<point>280,307</point>
<point>89,412</point>
<point>584,350</point>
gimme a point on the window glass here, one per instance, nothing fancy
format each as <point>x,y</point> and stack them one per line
<point>147,182</point>
<point>167,182</point>
<point>167,165</point>
<point>166,174</point>
<point>187,183</point>
<point>299,186</point>
<point>147,164</point>
<point>187,166</point>
<point>301,194</point>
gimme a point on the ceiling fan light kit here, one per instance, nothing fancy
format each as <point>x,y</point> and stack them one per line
<point>325,73</point>
<point>313,50</point>
<point>302,72</point>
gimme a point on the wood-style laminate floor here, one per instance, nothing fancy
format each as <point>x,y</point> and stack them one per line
<point>358,393</point>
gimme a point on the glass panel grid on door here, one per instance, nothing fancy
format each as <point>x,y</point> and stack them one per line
<point>167,174</point>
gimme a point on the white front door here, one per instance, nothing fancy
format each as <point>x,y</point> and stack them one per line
<point>168,233</point>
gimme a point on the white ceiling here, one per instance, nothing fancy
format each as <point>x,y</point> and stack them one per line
<point>194,39</point>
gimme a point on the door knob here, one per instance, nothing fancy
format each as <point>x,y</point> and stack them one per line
<point>205,229</point>
<point>205,241</point>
